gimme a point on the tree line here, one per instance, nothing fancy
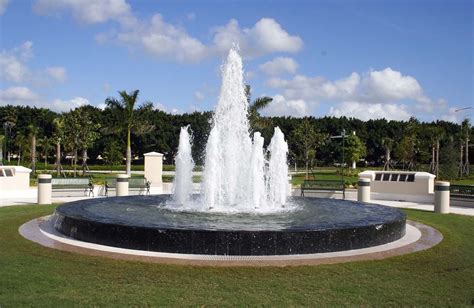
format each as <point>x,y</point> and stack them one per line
<point>126,129</point>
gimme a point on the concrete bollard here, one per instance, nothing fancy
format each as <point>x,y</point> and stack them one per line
<point>44,188</point>
<point>122,185</point>
<point>441,197</point>
<point>363,190</point>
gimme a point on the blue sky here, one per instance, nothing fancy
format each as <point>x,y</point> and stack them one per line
<point>369,59</point>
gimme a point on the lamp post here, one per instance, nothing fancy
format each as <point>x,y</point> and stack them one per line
<point>7,126</point>
<point>343,136</point>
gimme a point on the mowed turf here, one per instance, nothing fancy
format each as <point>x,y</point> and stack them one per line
<point>32,275</point>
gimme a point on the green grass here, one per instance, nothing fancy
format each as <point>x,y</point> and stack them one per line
<point>32,275</point>
<point>349,179</point>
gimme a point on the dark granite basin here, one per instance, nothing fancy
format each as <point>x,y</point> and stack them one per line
<point>146,223</point>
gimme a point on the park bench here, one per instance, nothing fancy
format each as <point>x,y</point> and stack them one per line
<point>323,185</point>
<point>140,184</point>
<point>462,191</point>
<point>72,184</point>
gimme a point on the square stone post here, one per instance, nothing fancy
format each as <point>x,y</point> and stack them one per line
<point>154,171</point>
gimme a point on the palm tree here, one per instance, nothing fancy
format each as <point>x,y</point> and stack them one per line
<point>33,132</point>
<point>46,146</point>
<point>58,134</point>
<point>256,122</point>
<point>2,139</point>
<point>466,132</point>
<point>127,107</point>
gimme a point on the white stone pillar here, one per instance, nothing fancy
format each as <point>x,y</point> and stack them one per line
<point>441,197</point>
<point>44,188</point>
<point>122,185</point>
<point>154,171</point>
<point>363,190</point>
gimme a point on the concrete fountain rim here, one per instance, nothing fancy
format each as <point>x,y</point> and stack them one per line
<point>418,237</point>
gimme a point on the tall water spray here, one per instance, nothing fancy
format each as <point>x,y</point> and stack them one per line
<point>183,180</point>
<point>278,169</point>
<point>236,175</point>
<point>226,173</point>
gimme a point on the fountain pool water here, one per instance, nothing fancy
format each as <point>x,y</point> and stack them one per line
<point>243,207</point>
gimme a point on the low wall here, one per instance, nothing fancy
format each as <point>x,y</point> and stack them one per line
<point>401,185</point>
<point>14,178</point>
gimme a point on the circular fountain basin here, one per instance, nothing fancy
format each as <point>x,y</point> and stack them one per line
<point>314,225</point>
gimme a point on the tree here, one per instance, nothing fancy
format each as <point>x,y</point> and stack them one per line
<point>2,140</point>
<point>80,133</point>
<point>33,132</point>
<point>308,140</point>
<point>58,135</point>
<point>387,144</point>
<point>257,123</point>
<point>112,154</point>
<point>126,106</point>
<point>46,147</point>
<point>405,151</point>
<point>355,148</point>
<point>465,135</point>
<point>21,143</point>
<point>448,167</point>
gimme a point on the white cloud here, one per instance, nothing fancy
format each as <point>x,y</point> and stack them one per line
<point>14,67</point>
<point>17,96</point>
<point>279,66</point>
<point>86,11</point>
<point>162,39</point>
<point>280,106</point>
<point>389,84</point>
<point>317,88</point>
<point>367,111</point>
<point>3,6</point>
<point>382,90</point>
<point>25,97</point>
<point>58,73</point>
<point>13,63</point>
<point>265,37</point>
<point>66,105</point>
<point>199,96</point>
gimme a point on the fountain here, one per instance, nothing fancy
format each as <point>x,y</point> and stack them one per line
<point>243,207</point>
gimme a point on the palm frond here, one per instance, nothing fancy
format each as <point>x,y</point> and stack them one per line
<point>260,103</point>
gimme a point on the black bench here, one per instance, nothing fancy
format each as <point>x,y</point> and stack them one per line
<point>462,191</point>
<point>140,184</point>
<point>323,185</point>
<point>71,184</point>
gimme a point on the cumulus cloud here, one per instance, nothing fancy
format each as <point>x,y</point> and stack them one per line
<point>367,111</point>
<point>13,63</point>
<point>374,94</point>
<point>3,6</point>
<point>279,66</point>
<point>163,39</point>
<point>14,67</point>
<point>85,11</point>
<point>58,73</point>
<point>66,105</point>
<point>26,97</point>
<point>265,37</point>
<point>17,96</point>
<point>280,106</point>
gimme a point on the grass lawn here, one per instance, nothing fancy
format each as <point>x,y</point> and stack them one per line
<point>31,275</point>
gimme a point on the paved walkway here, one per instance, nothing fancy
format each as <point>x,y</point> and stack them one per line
<point>10,198</point>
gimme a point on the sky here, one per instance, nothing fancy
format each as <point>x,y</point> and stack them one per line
<point>362,59</point>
